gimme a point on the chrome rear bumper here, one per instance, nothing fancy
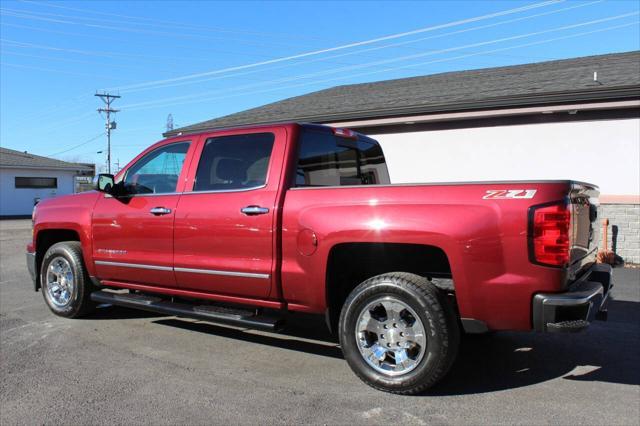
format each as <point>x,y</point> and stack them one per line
<point>573,310</point>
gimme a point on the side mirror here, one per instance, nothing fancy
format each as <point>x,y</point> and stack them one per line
<point>105,183</point>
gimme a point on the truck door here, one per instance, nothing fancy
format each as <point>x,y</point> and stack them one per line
<point>225,223</point>
<point>133,234</point>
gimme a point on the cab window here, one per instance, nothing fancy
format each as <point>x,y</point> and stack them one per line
<point>325,159</point>
<point>158,171</point>
<point>234,162</point>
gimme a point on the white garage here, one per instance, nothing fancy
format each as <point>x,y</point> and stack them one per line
<point>26,178</point>
<point>568,119</point>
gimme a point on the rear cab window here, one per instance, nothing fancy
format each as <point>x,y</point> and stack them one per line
<point>327,159</point>
<point>236,162</point>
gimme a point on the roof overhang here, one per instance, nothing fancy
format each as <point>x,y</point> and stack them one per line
<point>487,113</point>
<point>59,169</point>
<point>605,95</point>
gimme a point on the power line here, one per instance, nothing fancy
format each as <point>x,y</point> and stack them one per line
<point>345,46</point>
<point>323,59</point>
<point>78,61</point>
<point>78,146</point>
<point>66,123</point>
<point>392,68</point>
<point>21,14</point>
<point>67,19</point>
<point>398,59</point>
<point>164,23</point>
<point>156,59</point>
<point>82,52</point>
<point>184,46</point>
<point>326,58</point>
<point>47,111</point>
<point>9,64</point>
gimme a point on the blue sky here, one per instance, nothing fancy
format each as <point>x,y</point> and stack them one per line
<point>200,60</point>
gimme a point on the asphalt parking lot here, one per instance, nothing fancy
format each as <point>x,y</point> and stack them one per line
<point>127,367</point>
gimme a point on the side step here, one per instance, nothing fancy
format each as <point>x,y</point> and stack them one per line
<point>573,326</point>
<point>219,314</point>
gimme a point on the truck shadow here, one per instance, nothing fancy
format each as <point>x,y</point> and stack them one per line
<point>308,335</point>
<point>109,312</point>
<point>606,352</point>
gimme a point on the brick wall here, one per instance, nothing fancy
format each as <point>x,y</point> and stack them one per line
<point>624,230</point>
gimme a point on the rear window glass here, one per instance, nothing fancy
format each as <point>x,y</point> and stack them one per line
<point>234,162</point>
<point>325,159</point>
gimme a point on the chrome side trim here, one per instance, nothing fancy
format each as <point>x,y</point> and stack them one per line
<point>225,273</point>
<point>219,191</point>
<point>160,194</point>
<point>223,191</point>
<point>134,265</point>
<point>189,270</point>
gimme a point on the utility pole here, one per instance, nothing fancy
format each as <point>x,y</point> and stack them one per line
<point>110,125</point>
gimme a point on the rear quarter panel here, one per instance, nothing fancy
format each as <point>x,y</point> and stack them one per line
<point>485,241</point>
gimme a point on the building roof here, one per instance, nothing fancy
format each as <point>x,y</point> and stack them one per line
<point>10,158</point>
<point>560,81</point>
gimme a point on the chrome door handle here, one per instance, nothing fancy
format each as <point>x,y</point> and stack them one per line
<point>254,210</point>
<point>159,211</point>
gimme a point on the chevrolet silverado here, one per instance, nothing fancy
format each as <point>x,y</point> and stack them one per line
<point>249,226</point>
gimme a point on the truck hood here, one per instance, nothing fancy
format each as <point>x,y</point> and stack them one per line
<point>83,200</point>
<point>65,208</point>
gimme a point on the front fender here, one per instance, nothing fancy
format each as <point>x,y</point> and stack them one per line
<point>67,213</point>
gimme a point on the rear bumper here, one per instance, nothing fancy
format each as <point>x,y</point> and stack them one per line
<point>573,310</point>
<point>31,266</point>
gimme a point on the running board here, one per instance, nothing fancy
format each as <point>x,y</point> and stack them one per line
<point>219,314</point>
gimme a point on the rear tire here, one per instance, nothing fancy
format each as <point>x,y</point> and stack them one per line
<point>66,286</point>
<point>398,333</point>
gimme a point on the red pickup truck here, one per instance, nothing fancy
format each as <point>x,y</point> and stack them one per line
<point>248,226</point>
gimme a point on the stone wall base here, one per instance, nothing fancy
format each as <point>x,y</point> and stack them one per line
<point>623,231</point>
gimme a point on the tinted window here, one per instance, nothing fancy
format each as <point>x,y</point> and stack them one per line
<point>36,182</point>
<point>328,160</point>
<point>234,162</point>
<point>158,171</point>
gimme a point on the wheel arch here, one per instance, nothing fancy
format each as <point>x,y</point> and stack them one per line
<point>349,264</point>
<point>45,239</point>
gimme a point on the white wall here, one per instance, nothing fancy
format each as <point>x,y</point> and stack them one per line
<point>19,201</point>
<point>603,152</point>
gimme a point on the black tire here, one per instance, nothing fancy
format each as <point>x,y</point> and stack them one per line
<point>79,303</point>
<point>438,319</point>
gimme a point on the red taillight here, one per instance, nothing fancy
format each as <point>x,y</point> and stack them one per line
<point>551,234</point>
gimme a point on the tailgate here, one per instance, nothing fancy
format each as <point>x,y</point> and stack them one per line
<point>585,226</point>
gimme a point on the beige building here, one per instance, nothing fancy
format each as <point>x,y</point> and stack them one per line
<point>568,119</point>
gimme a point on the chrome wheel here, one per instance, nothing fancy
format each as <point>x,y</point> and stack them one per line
<point>59,282</point>
<point>390,336</point>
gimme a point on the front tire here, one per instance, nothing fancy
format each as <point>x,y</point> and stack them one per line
<point>398,333</point>
<point>66,286</point>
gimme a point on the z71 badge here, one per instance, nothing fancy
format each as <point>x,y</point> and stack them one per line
<point>504,194</point>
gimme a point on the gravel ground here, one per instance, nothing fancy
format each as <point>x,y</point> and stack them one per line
<point>127,367</point>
